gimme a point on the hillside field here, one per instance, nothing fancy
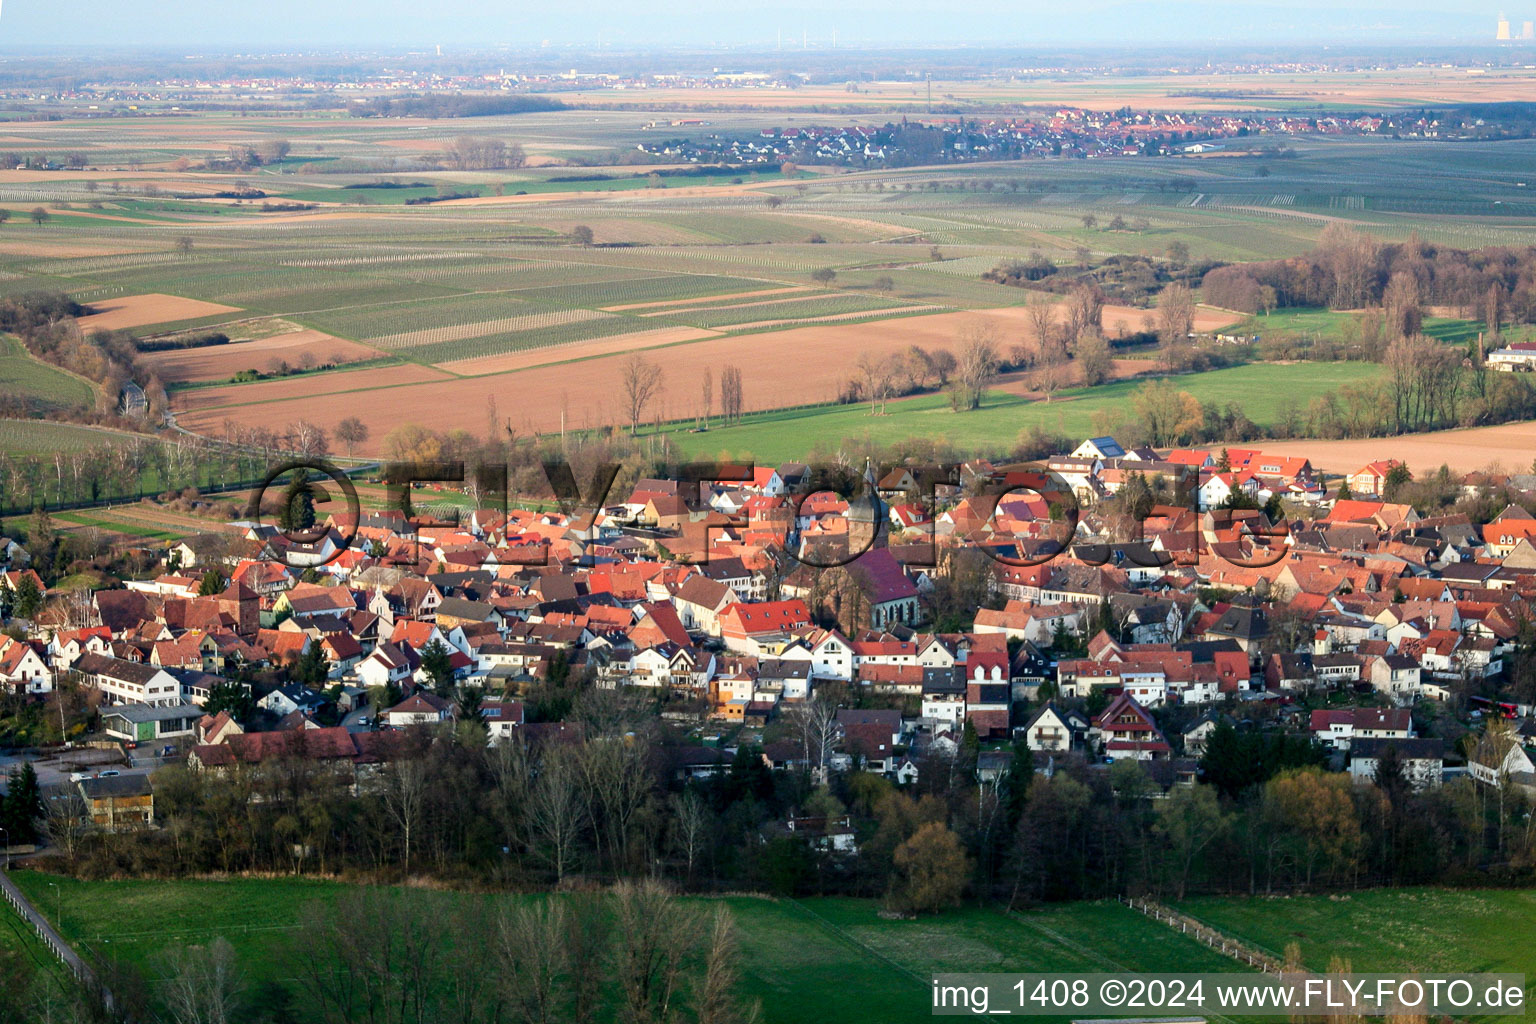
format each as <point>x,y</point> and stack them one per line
<point>1259,389</point>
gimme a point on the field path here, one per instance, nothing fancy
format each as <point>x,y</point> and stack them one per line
<point>862,947</point>
<point>1080,949</point>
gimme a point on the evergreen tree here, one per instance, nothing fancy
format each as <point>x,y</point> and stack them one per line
<point>29,599</point>
<point>233,697</point>
<point>41,533</point>
<point>22,807</point>
<point>435,663</point>
<point>298,510</point>
<point>211,585</point>
<point>312,668</point>
<point>1390,776</point>
<point>470,699</point>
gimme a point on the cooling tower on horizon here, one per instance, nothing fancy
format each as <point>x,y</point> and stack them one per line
<point>1503,31</point>
<point>1528,30</point>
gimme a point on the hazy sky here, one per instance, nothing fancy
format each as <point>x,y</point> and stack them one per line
<point>297,24</point>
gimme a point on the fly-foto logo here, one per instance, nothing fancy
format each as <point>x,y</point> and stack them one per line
<point>310,530</point>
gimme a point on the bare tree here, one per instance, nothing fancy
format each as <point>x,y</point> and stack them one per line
<point>875,379</point>
<point>1051,367</point>
<point>975,365</point>
<point>1085,311</point>
<point>65,818</point>
<point>202,984</point>
<point>692,827</point>
<point>1175,313</point>
<point>309,439</point>
<point>943,362</point>
<point>715,1002</point>
<point>531,953</point>
<point>1094,359</point>
<point>815,720</point>
<point>730,394</point>
<point>616,781</point>
<point>556,812</point>
<point>405,797</point>
<point>641,380</point>
<point>656,938</point>
<point>1494,309</point>
<point>351,432</point>
<point>708,398</point>
<point>1400,307</point>
<point>1042,320</point>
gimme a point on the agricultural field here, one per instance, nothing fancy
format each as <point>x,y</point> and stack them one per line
<point>809,961</point>
<point>495,293</point>
<point>1389,929</point>
<point>20,374</point>
<point>36,437</point>
<point>1260,390</point>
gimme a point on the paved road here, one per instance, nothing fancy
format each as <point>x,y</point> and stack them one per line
<point>55,769</point>
<point>353,722</point>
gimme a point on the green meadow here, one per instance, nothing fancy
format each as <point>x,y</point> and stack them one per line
<point>1261,390</point>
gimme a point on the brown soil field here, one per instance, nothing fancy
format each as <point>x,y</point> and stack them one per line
<point>599,347</point>
<point>1207,318</point>
<point>830,318</point>
<point>273,398</point>
<point>545,381</point>
<point>1022,383</point>
<point>220,362</point>
<point>640,193</point>
<point>70,248</point>
<point>153,308</point>
<point>672,303</point>
<point>786,302</point>
<point>1507,447</point>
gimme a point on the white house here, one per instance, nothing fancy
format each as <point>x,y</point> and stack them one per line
<point>1053,731</point>
<point>418,709</point>
<point>386,664</point>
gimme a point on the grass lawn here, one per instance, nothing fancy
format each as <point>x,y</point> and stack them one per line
<point>1327,322</point>
<point>23,375</point>
<point>116,526</point>
<point>1259,389</point>
<point>809,961</point>
<point>1390,929</point>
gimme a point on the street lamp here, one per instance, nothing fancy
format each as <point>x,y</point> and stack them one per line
<point>7,847</point>
<point>58,915</point>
